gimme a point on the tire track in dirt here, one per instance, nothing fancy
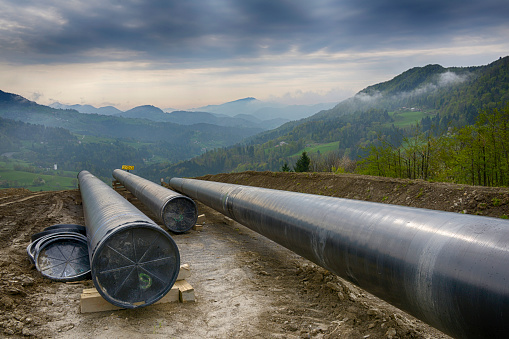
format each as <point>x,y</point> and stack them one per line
<point>35,195</point>
<point>56,208</point>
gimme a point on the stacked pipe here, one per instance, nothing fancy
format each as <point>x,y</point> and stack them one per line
<point>133,261</point>
<point>177,212</point>
<point>449,270</point>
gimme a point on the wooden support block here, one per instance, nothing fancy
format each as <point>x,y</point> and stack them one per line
<point>116,184</point>
<point>198,227</point>
<point>201,219</point>
<point>92,301</point>
<point>186,291</point>
<point>184,272</point>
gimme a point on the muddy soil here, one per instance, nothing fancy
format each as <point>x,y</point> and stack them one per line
<point>246,286</point>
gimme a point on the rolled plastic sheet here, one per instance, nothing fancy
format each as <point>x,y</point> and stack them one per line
<point>176,211</point>
<point>449,270</point>
<point>133,261</point>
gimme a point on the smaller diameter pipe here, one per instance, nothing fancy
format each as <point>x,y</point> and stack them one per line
<point>177,212</point>
<point>133,261</point>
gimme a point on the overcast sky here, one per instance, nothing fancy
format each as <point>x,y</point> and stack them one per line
<point>189,53</point>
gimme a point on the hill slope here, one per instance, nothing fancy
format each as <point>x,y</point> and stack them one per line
<point>446,97</point>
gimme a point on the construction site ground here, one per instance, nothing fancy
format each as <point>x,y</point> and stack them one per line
<point>246,286</point>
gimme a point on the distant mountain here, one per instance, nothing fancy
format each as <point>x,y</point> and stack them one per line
<point>145,112</point>
<point>193,117</point>
<point>265,110</point>
<point>88,109</point>
<point>247,112</point>
<point>232,108</point>
<point>190,118</point>
<point>169,109</point>
<point>183,138</point>
<point>291,112</point>
<point>58,105</point>
<point>108,110</point>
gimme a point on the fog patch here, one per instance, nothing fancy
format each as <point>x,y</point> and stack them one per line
<point>450,78</point>
<point>368,98</point>
<point>36,96</point>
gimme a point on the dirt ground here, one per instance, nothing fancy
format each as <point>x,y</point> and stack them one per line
<point>246,286</point>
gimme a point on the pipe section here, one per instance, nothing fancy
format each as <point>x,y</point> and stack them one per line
<point>133,261</point>
<point>449,270</point>
<point>177,212</point>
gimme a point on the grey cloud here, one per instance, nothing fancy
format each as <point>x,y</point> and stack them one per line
<point>177,31</point>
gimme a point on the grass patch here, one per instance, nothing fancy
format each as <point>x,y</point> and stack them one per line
<point>407,118</point>
<point>44,181</point>
<point>323,148</point>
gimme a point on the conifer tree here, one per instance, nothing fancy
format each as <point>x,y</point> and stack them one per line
<point>302,165</point>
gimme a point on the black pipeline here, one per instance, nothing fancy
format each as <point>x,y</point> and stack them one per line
<point>449,270</point>
<point>133,261</point>
<point>177,212</point>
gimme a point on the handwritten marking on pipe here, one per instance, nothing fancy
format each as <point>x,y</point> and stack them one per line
<point>145,281</point>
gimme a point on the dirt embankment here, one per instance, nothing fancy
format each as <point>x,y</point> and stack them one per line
<point>246,285</point>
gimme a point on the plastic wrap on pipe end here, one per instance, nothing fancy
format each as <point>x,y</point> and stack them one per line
<point>179,214</point>
<point>135,265</point>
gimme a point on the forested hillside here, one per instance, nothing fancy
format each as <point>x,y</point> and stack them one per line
<point>41,147</point>
<point>438,100</point>
<point>17,108</point>
<point>106,141</point>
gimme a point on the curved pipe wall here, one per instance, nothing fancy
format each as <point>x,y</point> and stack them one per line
<point>449,270</point>
<point>177,212</point>
<point>133,261</point>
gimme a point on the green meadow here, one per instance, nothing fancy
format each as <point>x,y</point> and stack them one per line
<point>19,174</point>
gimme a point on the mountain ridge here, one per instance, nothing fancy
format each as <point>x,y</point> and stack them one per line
<point>265,115</point>
<point>450,97</point>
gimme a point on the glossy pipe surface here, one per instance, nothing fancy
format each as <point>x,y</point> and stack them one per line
<point>176,211</point>
<point>449,270</point>
<point>133,261</point>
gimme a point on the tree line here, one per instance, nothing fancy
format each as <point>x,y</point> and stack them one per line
<point>475,154</point>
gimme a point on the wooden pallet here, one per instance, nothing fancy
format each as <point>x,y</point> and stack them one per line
<point>92,301</point>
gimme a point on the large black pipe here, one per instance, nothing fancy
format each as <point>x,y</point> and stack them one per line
<point>134,262</point>
<point>449,270</point>
<point>176,211</point>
